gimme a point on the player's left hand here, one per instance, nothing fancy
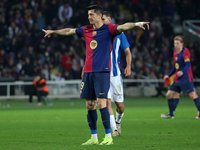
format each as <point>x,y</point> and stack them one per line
<point>127,71</point>
<point>47,33</point>
<point>179,73</point>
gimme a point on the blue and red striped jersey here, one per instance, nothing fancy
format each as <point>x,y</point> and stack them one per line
<point>120,44</point>
<point>98,46</point>
<point>179,61</point>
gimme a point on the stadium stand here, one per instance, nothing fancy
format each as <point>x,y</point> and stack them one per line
<point>24,51</point>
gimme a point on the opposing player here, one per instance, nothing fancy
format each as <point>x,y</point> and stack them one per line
<point>96,80</point>
<point>183,80</point>
<point>115,93</point>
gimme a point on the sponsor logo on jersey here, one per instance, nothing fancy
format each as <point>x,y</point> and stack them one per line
<point>94,33</point>
<point>177,66</point>
<point>93,44</point>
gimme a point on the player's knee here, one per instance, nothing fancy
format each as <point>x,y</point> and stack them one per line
<point>169,95</point>
<point>108,103</point>
<point>120,106</point>
<point>193,95</point>
<point>176,95</point>
<point>100,105</point>
<point>90,105</point>
<point>101,102</point>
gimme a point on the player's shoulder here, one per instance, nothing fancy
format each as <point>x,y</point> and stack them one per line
<point>186,49</point>
<point>88,27</point>
<point>112,25</point>
<point>175,51</point>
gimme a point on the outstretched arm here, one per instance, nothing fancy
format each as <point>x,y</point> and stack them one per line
<point>66,31</point>
<point>131,25</point>
<point>127,70</point>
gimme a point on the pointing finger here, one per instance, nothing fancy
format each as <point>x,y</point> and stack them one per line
<point>148,26</point>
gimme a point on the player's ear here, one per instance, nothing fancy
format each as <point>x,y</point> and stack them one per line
<point>101,16</point>
<point>110,19</point>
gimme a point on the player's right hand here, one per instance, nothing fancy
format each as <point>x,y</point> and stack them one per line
<point>127,71</point>
<point>47,33</point>
<point>166,77</point>
<point>82,75</point>
<point>179,73</point>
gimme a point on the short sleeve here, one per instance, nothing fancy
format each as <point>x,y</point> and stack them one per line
<point>124,42</point>
<point>113,28</point>
<point>79,31</point>
<point>186,55</point>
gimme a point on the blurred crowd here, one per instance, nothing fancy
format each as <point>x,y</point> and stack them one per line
<point>25,52</point>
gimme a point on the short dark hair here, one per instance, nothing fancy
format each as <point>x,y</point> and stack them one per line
<point>107,14</point>
<point>97,9</point>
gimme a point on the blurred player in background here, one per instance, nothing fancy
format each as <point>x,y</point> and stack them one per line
<point>96,80</point>
<point>115,93</point>
<point>183,80</point>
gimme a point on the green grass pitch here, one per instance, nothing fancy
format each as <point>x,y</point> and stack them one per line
<point>63,126</point>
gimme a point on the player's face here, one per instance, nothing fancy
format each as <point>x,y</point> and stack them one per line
<point>178,45</point>
<point>93,17</point>
<point>106,19</point>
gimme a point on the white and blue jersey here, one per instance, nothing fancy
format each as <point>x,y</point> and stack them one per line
<point>120,44</point>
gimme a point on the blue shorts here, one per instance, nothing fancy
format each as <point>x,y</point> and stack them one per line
<point>95,85</point>
<point>186,87</point>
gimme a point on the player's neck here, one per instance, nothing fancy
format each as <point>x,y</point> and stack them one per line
<point>179,50</point>
<point>98,25</point>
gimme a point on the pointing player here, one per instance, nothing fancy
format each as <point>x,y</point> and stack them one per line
<point>115,93</point>
<point>96,80</point>
<point>183,80</point>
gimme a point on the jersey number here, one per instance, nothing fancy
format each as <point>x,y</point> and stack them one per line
<point>82,85</point>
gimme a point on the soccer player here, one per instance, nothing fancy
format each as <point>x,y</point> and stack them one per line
<point>115,93</point>
<point>183,80</point>
<point>96,79</point>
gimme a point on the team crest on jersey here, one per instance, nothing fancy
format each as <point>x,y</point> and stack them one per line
<point>176,58</point>
<point>94,33</point>
<point>177,66</point>
<point>93,44</point>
